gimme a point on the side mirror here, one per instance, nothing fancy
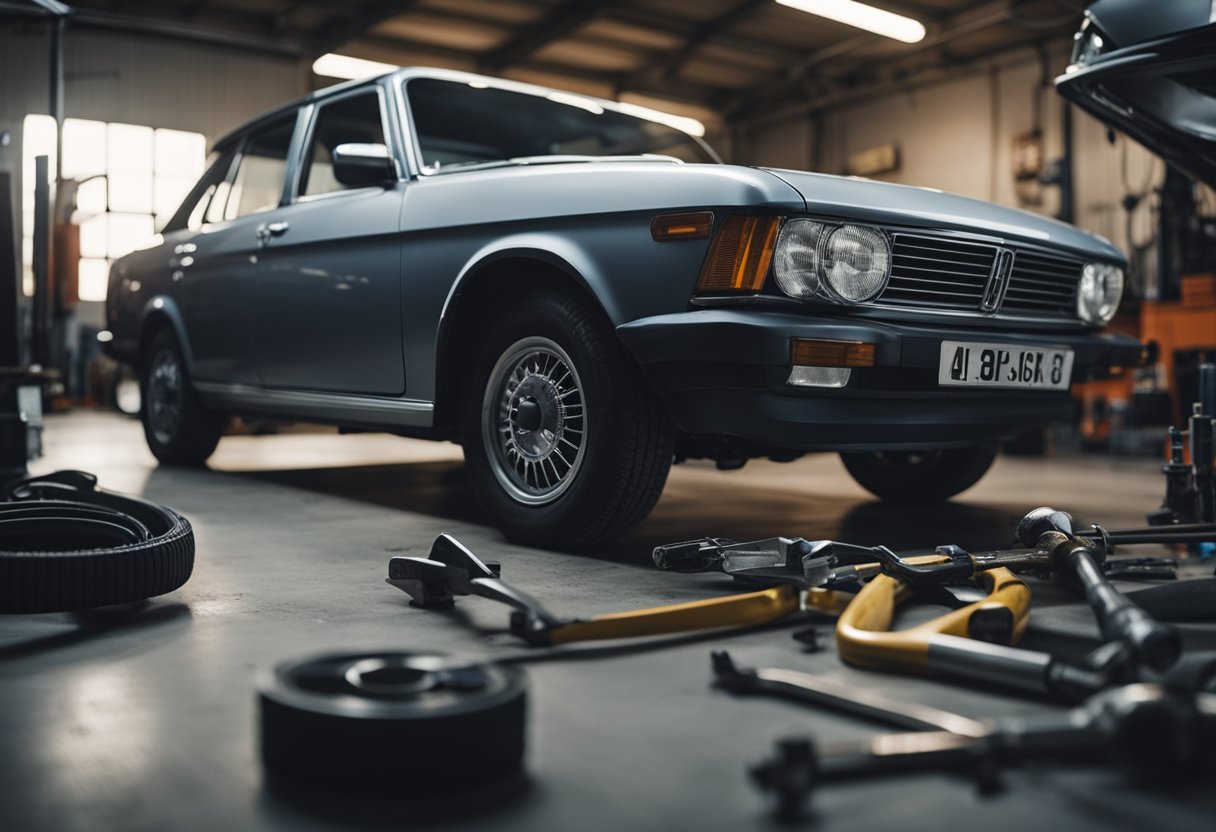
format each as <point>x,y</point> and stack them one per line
<point>361,165</point>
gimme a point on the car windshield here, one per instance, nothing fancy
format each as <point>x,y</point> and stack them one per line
<point>460,124</point>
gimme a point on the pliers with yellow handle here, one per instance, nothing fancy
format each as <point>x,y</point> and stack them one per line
<point>864,637</point>
<point>451,570</point>
<point>973,642</point>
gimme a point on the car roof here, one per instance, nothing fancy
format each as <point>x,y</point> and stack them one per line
<point>406,73</point>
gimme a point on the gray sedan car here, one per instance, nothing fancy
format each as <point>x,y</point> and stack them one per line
<point>580,294</point>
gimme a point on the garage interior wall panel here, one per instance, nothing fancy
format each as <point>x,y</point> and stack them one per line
<point>944,135</point>
<point>166,83</point>
<point>786,144</point>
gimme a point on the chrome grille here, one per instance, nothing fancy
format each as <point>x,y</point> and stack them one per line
<point>946,273</point>
<point>1043,284</point>
<point>937,273</point>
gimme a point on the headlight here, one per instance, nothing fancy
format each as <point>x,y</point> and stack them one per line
<point>796,261</point>
<point>847,263</point>
<point>1099,292</point>
<point>856,262</point>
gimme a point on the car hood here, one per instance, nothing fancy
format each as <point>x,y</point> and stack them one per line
<point>867,200</point>
<point>1161,92</point>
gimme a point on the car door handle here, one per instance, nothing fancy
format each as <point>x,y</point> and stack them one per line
<point>270,229</point>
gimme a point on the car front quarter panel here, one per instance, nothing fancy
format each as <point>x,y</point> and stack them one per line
<point>587,222</point>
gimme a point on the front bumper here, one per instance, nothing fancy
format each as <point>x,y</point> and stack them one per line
<point>724,371</point>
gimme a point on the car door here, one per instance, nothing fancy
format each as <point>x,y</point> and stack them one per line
<point>328,300</point>
<point>216,268</point>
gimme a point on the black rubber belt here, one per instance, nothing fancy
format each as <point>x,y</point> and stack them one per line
<point>67,545</point>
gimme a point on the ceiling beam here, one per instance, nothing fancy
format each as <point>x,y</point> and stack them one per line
<point>282,18</point>
<point>671,26</point>
<point>560,22</point>
<point>764,95</point>
<point>684,92</point>
<point>673,63</point>
<point>339,30</point>
<point>877,89</point>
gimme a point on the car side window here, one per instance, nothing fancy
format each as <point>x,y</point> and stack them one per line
<point>258,185</point>
<point>352,120</point>
<point>192,211</point>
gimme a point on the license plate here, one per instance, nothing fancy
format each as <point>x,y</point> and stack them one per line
<point>965,364</point>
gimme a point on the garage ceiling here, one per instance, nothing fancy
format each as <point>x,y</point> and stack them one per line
<point>736,58</point>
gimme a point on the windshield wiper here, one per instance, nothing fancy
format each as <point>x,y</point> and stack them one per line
<point>551,159</point>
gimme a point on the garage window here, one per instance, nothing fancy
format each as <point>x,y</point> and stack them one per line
<point>128,180</point>
<point>353,120</point>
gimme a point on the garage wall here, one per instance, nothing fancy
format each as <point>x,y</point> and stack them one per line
<point>137,79</point>
<point>957,135</point>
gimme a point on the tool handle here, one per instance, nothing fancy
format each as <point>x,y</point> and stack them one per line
<point>751,608</point>
<point>1119,619</point>
<point>864,639</point>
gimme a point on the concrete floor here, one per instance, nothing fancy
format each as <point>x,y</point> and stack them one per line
<point>144,719</point>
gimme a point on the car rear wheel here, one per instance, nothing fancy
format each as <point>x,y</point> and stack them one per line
<point>566,445</point>
<point>916,477</point>
<point>179,430</point>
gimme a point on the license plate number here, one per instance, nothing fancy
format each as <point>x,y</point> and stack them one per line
<point>965,364</point>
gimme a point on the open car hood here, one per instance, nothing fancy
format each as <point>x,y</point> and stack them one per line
<point>1161,92</point>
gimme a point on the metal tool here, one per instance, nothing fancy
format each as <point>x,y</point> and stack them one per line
<point>1076,561</point>
<point>864,637</point>
<point>1148,730</point>
<point>451,570</point>
<point>804,563</point>
<point>818,690</point>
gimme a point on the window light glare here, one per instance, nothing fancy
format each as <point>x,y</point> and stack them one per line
<point>332,65</point>
<point>688,125</point>
<point>863,16</point>
<point>576,101</point>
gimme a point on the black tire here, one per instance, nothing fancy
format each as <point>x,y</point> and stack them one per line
<point>608,467</point>
<point>919,477</point>
<point>65,546</point>
<point>178,429</point>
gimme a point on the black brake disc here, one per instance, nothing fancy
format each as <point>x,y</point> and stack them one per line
<point>392,721</point>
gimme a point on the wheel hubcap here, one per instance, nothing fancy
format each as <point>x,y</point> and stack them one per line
<point>534,421</point>
<point>164,405</point>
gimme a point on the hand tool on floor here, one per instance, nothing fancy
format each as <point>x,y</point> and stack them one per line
<point>451,569</point>
<point>805,563</point>
<point>848,699</point>
<point>1075,561</point>
<point>1148,730</point>
<point>1050,546</point>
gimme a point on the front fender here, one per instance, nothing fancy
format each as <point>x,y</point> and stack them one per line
<point>164,309</point>
<point>554,250</point>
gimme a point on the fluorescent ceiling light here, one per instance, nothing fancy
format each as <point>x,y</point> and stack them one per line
<point>344,66</point>
<point>688,125</point>
<point>851,13</point>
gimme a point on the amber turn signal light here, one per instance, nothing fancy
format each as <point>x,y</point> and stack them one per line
<point>695,226</point>
<point>740,255</point>
<point>807,353</point>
